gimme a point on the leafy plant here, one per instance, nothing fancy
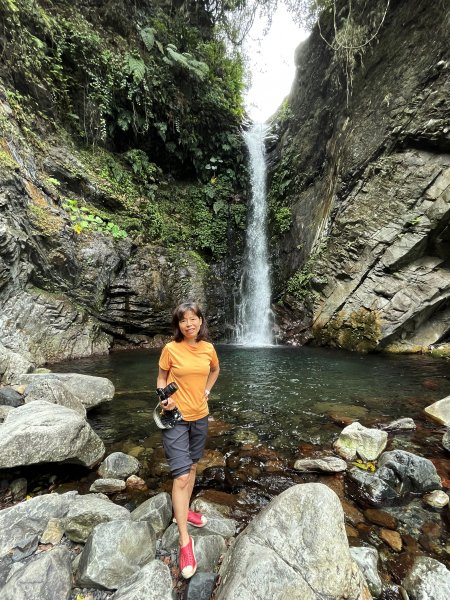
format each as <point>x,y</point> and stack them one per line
<point>84,220</point>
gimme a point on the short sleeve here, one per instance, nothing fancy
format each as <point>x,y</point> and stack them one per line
<point>164,360</point>
<point>214,359</point>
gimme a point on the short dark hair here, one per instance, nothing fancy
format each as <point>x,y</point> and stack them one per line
<point>179,313</point>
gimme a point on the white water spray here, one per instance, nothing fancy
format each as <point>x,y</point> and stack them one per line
<point>254,323</point>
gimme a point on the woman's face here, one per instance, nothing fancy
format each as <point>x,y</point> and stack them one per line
<point>189,325</point>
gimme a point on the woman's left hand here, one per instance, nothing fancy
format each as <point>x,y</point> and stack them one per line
<point>169,405</point>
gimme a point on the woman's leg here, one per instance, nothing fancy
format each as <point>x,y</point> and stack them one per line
<point>181,494</point>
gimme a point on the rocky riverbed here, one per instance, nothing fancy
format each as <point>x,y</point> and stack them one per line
<point>360,518</point>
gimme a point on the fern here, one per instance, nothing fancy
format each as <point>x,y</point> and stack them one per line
<point>136,68</point>
<point>148,37</point>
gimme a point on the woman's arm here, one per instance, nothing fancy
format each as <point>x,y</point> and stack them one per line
<point>212,378</point>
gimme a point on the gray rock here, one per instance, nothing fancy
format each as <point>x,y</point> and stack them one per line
<point>4,411</point>
<point>357,439</point>
<point>47,577</point>
<point>87,389</point>
<point>88,511</point>
<point>399,474</point>
<point>26,519</point>
<point>152,582</point>
<point>329,464</point>
<point>53,391</point>
<point>208,550</point>
<point>44,432</point>
<point>9,397</point>
<point>12,364</point>
<point>118,466</point>
<point>200,587</point>
<point>405,424</point>
<point>216,524</point>
<point>428,580</point>
<point>25,548</point>
<point>439,411</point>
<point>157,511</point>
<point>367,559</point>
<point>300,539</point>
<point>115,551</point>
<point>446,440</point>
<point>108,486</point>
<point>18,488</point>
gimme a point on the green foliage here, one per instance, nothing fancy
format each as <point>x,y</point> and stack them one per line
<point>84,219</point>
<point>299,284</point>
<point>283,219</point>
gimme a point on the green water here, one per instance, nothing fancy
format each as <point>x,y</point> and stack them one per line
<point>285,396</point>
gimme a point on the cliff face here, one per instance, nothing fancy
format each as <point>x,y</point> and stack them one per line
<point>119,184</point>
<point>368,187</point>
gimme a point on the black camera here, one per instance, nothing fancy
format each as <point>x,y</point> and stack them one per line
<point>166,419</point>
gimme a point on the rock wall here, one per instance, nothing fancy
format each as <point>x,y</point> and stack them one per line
<point>368,185</point>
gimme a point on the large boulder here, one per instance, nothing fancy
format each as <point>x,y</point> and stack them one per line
<point>22,522</point>
<point>88,511</point>
<point>439,411</point>
<point>9,397</point>
<point>115,551</point>
<point>428,579</point>
<point>43,432</point>
<point>53,391</point>
<point>355,439</point>
<point>152,582</point>
<point>48,576</point>
<point>118,465</point>
<point>400,474</point>
<point>295,548</point>
<point>89,390</point>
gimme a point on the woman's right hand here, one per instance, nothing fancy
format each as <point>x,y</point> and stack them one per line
<point>168,404</point>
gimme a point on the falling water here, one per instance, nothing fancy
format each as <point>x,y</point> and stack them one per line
<point>254,313</point>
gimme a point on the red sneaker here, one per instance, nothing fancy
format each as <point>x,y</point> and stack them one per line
<point>186,560</point>
<point>195,519</point>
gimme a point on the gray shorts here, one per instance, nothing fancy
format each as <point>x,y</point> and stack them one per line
<point>184,445</point>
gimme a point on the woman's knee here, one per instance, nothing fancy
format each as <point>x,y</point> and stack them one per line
<point>182,480</point>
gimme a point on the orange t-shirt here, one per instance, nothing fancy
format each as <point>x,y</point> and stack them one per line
<point>189,367</point>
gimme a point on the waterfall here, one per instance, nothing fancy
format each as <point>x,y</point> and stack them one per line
<point>254,314</point>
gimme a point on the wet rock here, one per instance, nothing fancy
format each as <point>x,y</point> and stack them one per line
<point>118,466</point>
<point>331,464</point>
<point>30,518</point>
<point>399,474</point>
<point>157,511</point>
<point>245,436</point>
<point>152,582</point>
<point>18,488</point>
<point>436,499</point>
<point>341,413</point>
<point>392,538</point>
<point>88,389</point>
<point>220,502</point>
<point>135,483</point>
<point>406,424</point>
<point>53,391</point>
<point>86,512</point>
<point>359,440</point>
<point>200,587</point>
<point>210,458</point>
<point>44,432</point>
<point>446,440</point>
<point>439,411</point>
<point>114,551</point>
<point>53,532</point>
<point>108,486</point>
<point>12,364</point>
<point>352,514</point>
<point>303,548</point>
<point>46,577</point>
<point>380,517</point>
<point>428,580</point>
<point>9,397</point>
<point>367,560</point>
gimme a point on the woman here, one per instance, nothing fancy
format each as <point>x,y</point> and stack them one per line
<point>191,362</point>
